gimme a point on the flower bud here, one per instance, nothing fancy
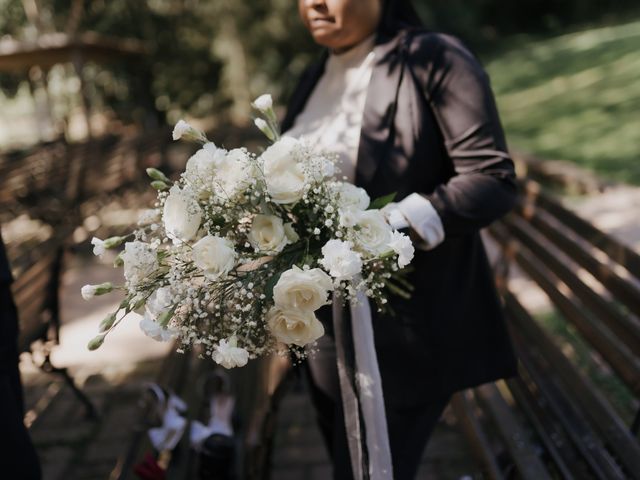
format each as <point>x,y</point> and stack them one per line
<point>90,291</point>
<point>107,323</point>
<point>159,185</point>
<point>156,174</point>
<point>119,261</point>
<point>265,128</point>
<point>95,342</point>
<point>113,242</point>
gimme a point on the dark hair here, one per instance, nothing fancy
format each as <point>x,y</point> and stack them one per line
<point>398,14</point>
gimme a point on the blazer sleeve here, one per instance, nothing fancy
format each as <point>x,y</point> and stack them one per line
<point>458,90</point>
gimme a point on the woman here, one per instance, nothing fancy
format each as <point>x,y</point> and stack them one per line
<point>411,111</point>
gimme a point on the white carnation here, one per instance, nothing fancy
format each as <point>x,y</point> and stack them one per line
<point>233,174</point>
<point>201,166</point>
<point>153,329</point>
<point>88,292</point>
<point>340,260</point>
<point>229,355</point>
<point>293,326</point>
<point>214,255</point>
<point>263,102</point>
<point>98,246</point>
<point>283,171</point>
<point>402,245</point>
<point>180,129</point>
<point>302,289</point>
<point>140,261</point>
<point>181,215</point>
<point>268,234</point>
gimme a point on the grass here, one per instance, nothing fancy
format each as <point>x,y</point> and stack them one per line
<point>574,97</point>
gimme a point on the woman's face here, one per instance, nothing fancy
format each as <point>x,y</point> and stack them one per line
<point>340,24</point>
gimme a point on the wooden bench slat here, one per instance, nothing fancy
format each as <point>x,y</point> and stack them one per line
<point>477,439</point>
<point>618,252</point>
<point>625,327</point>
<point>624,289</point>
<point>575,385</point>
<point>558,445</point>
<point>617,355</point>
<point>515,437</point>
<point>584,437</point>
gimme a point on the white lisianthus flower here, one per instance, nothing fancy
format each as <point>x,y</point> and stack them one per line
<point>340,260</point>
<point>98,246</point>
<point>229,355</point>
<point>294,327</point>
<point>153,329</point>
<point>263,103</point>
<point>181,215</point>
<point>402,245</point>
<point>302,289</point>
<point>233,174</point>
<point>283,171</point>
<point>372,233</point>
<point>140,261</point>
<point>181,129</point>
<point>214,255</point>
<point>352,197</point>
<point>268,234</point>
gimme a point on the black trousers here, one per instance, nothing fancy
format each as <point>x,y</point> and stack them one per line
<point>18,458</point>
<point>409,427</point>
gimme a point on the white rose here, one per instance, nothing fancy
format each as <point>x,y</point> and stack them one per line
<point>302,289</point>
<point>340,260</point>
<point>268,234</point>
<point>352,197</point>
<point>180,129</point>
<point>214,255</point>
<point>181,215</point>
<point>140,261</point>
<point>283,172</point>
<point>402,245</point>
<point>373,233</point>
<point>229,355</point>
<point>263,102</point>
<point>153,329</point>
<point>348,216</point>
<point>233,174</point>
<point>291,326</point>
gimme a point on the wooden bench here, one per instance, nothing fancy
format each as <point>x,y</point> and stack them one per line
<point>573,412</point>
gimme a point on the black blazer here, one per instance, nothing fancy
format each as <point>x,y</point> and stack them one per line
<point>5,272</point>
<point>430,125</point>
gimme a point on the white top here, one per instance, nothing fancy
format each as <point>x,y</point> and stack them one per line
<point>332,116</point>
<point>332,120</point>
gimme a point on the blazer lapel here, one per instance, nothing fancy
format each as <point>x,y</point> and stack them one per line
<point>379,109</point>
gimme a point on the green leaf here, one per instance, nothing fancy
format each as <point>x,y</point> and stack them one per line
<point>380,202</point>
<point>268,289</point>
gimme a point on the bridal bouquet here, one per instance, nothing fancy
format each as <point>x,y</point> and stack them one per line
<point>240,251</point>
